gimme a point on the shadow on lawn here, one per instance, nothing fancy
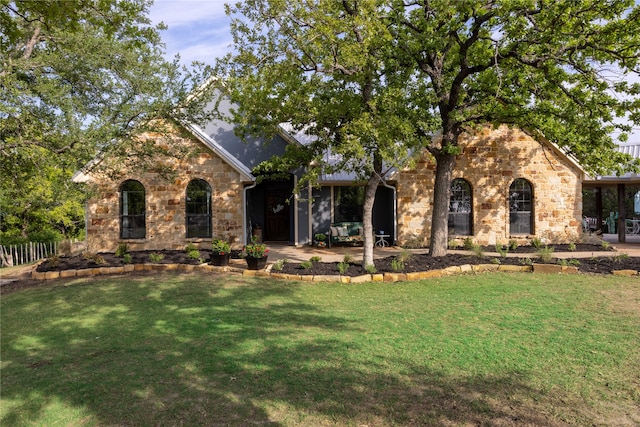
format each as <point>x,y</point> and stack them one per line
<point>142,352</point>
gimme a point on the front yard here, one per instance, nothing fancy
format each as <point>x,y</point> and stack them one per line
<point>209,349</point>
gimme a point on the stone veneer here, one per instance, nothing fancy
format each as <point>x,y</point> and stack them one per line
<point>165,203</point>
<point>490,161</point>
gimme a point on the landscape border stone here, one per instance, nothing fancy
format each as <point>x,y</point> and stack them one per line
<point>376,277</point>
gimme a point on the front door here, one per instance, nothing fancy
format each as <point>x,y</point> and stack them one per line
<point>277,214</point>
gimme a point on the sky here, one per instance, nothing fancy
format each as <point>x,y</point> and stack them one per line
<point>198,30</point>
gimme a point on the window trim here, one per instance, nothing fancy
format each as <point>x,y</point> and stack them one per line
<point>513,191</point>
<point>469,214</point>
<point>209,215</point>
<point>131,218</point>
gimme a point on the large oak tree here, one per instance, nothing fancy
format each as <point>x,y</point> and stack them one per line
<point>370,78</point>
<point>78,78</point>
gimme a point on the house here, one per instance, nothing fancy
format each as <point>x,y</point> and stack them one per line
<point>508,185</point>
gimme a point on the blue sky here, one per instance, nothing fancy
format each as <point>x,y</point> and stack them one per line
<point>198,29</point>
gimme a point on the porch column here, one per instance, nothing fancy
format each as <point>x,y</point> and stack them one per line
<point>622,215</point>
<point>599,208</point>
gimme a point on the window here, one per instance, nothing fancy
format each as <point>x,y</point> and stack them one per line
<point>132,210</point>
<point>198,209</point>
<point>348,203</point>
<point>521,207</point>
<point>460,208</point>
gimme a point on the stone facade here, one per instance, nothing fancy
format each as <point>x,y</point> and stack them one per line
<point>165,201</point>
<point>490,161</point>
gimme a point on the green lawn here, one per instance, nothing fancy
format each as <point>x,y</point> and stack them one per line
<point>494,349</point>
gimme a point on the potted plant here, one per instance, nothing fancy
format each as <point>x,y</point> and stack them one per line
<point>256,255</point>
<point>221,252</point>
<point>320,240</point>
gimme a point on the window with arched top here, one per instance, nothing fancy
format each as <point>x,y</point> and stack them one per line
<point>521,207</point>
<point>461,208</point>
<point>198,209</point>
<point>132,210</point>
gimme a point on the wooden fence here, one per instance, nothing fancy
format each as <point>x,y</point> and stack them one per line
<point>26,253</point>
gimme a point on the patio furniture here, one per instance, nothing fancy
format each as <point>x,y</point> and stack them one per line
<point>348,232</point>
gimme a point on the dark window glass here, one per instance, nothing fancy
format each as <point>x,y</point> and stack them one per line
<point>460,208</point>
<point>132,210</point>
<point>198,209</point>
<point>521,207</point>
<point>348,203</point>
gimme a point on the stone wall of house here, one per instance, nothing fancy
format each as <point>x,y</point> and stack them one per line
<point>166,203</point>
<point>490,161</point>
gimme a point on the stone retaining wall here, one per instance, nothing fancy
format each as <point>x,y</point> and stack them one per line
<point>380,277</point>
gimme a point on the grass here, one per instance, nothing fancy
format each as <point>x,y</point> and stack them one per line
<point>499,349</point>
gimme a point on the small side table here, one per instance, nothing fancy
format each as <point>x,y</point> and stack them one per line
<point>380,240</point>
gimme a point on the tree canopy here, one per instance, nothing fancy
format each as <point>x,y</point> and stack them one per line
<point>76,78</point>
<point>562,70</point>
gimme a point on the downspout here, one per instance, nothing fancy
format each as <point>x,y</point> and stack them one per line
<point>395,209</point>
<point>244,212</point>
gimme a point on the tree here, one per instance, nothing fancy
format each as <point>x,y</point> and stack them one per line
<point>77,79</point>
<point>324,69</point>
<point>357,74</point>
<point>557,68</point>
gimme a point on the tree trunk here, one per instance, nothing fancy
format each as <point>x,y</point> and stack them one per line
<point>441,194</point>
<point>367,218</point>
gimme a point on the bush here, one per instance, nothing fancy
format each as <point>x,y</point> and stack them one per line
<point>315,259</point>
<point>342,267</point>
<point>156,257</point>
<point>306,265</point>
<point>126,258</point>
<point>545,254</point>
<point>279,265</point>
<point>122,250</point>
<point>502,250</point>
<point>397,265</point>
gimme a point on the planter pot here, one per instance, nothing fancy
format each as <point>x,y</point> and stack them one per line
<point>221,260</point>
<point>256,263</point>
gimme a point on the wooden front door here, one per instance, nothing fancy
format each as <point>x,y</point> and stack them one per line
<point>277,214</point>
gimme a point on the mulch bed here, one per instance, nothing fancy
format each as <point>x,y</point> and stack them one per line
<point>415,263</point>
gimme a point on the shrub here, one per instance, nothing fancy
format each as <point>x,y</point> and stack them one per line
<point>545,254</point>
<point>126,258</point>
<point>123,248</point>
<point>536,243</point>
<point>526,261</point>
<point>495,261</point>
<point>342,267</point>
<point>370,268</point>
<point>306,265</point>
<point>605,245</point>
<point>190,247</point>
<point>194,254</point>
<point>468,244</point>
<point>574,262</point>
<point>156,257</point>
<point>315,259</point>
<point>477,250</point>
<point>453,244</point>
<point>513,245</point>
<point>52,261</point>
<point>502,250</point>
<point>404,256</point>
<point>572,247</point>
<point>347,259</point>
<point>279,264</point>
<point>397,265</point>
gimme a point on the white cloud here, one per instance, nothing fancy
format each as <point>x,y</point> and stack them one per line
<point>198,30</point>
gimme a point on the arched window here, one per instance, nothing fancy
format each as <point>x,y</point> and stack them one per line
<point>521,207</point>
<point>132,210</point>
<point>460,208</point>
<point>198,209</point>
